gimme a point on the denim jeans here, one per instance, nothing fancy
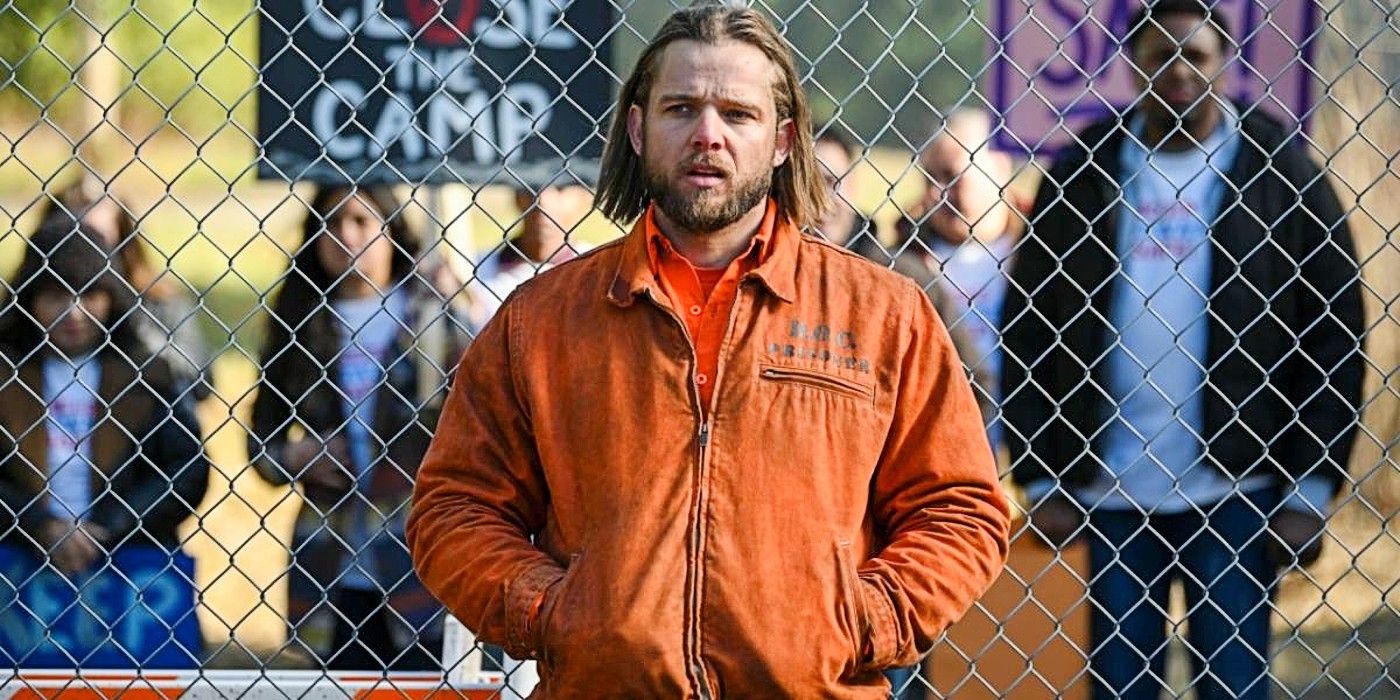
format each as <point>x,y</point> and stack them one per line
<point>901,684</point>
<point>1220,556</point>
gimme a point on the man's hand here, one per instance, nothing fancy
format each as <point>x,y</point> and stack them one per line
<point>73,547</point>
<point>1057,521</point>
<point>322,467</point>
<point>1297,538</point>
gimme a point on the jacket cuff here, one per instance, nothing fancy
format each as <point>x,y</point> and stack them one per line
<point>882,630</point>
<point>1311,495</point>
<point>520,597</point>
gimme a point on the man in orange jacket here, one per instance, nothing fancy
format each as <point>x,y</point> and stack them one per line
<point>716,458</point>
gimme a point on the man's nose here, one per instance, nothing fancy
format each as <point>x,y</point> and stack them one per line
<point>76,309</point>
<point>709,130</point>
<point>1178,68</point>
<point>353,238</point>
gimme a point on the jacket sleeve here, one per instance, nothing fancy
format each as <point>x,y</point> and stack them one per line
<point>272,414</point>
<point>480,497</point>
<point>1326,375</point>
<point>936,501</point>
<point>22,513</point>
<point>1030,327</point>
<point>172,474</point>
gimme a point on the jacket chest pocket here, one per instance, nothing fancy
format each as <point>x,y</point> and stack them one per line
<point>814,379</point>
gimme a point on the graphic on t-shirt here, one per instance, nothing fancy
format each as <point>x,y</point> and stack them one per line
<point>72,411</point>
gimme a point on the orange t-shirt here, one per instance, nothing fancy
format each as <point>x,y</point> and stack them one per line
<point>703,298</point>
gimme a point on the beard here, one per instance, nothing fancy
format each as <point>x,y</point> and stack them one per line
<point>704,211</point>
<point>1172,121</point>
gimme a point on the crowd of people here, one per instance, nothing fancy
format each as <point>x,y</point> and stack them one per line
<point>1164,344</point>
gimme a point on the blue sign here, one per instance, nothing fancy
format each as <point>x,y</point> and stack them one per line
<point>136,610</point>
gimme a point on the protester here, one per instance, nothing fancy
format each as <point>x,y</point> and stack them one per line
<point>102,453</point>
<point>353,374</point>
<point>843,225</point>
<point>168,319</point>
<point>547,216</point>
<point>960,236</point>
<point>717,458</point>
<point>1182,361</point>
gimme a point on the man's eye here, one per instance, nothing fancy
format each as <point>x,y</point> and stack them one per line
<point>738,115</point>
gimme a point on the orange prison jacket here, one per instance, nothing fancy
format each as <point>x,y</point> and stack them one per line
<point>832,513</point>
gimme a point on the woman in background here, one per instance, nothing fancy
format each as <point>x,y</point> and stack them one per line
<point>354,372</point>
<point>169,322</point>
<point>100,453</point>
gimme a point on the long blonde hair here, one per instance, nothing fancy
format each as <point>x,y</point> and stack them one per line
<point>798,188</point>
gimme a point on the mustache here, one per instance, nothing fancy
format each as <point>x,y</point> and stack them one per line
<point>706,162</point>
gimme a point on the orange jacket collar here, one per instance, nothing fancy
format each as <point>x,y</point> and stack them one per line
<point>777,273</point>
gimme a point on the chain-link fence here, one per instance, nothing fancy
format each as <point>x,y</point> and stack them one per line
<point>249,240</point>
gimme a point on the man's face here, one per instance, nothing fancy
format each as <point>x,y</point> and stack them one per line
<point>708,136</point>
<point>1178,65</point>
<point>549,215</point>
<point>960,192</point>
<point>840,181</point>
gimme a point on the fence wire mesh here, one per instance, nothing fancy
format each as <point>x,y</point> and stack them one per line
<point>247,242</point>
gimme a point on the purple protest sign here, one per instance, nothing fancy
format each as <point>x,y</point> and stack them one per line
<point>1059,65</point>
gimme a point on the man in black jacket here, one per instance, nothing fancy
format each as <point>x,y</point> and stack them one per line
<point>1183,364</point>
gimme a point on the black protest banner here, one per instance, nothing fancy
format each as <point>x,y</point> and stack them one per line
<point>476,91</point>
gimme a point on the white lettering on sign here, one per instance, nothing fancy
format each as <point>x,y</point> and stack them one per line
<point>527,23</point>
<point>396,125</point>
<point>325,24</point>
<point>379,26</point>
<point>413,82</point>
<point>325,109</point>
<point>376,24</point>
<point>426,69</point>
<point>498,122</point>
<point>524,110</point>
<point>448,119</point>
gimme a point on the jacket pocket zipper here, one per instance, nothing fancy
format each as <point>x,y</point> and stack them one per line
<point>818,380</point>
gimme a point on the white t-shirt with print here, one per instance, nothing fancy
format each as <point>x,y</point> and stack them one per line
<point>70,392</point>
<point>367,329</point>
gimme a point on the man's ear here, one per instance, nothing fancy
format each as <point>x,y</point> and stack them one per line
<point>782,146</point>
<point>634,128</point>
